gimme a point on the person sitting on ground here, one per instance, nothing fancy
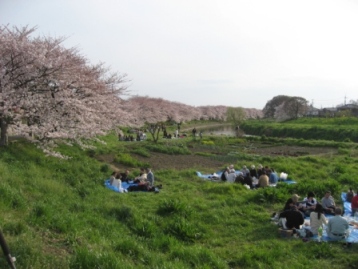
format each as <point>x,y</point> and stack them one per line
<point>125,176</point>
<point>240,179</point>
<point>150,177</point>
<point>273,177</point>
<point>317,219</point>
<point>337,227</point>
<point>294,218</point>
<point>249,181</point>
<point>142,178</point>
<point>224,174</point>
<point>231,168</point>
<point>112,177</point>
<point>293,201</point>
<point>253,171</point>
<point>263,181</point>
<point>349,195</point>
<point>354,204</point>
<point>245,171</point>
<point>260,170</point>
<point>328,203</point>
<point>309,203</point>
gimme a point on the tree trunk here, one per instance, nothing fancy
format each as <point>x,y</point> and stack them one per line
<point>3,133</point>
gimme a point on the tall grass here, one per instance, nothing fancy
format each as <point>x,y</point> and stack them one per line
<point>57,214</point>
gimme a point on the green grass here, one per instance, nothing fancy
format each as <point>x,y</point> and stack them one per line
<point>57,214</point>
<point>331,129</point>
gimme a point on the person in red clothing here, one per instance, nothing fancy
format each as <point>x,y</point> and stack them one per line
<point>354,204</point>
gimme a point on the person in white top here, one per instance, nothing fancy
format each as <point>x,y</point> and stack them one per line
<point>317,219</point>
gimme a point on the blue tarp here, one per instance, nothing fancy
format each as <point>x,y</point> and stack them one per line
<point>125,186</point>
<point>353,233</point>
<point>218,174</point>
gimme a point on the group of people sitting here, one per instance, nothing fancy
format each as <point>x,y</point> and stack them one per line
<point>143,182</point>
<point>254,177</point>
<point>295,211</point>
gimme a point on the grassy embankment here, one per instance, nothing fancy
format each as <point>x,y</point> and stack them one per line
<point>335,129</point>
<point>57,214</point>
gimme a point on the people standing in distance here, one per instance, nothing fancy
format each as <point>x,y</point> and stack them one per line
<point>194,132</point>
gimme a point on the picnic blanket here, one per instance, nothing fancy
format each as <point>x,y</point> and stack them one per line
<point>347,209</point>
<point>125,186</point>
<point>217,176</point>
<point>352,237</point>
<point>353,232</point>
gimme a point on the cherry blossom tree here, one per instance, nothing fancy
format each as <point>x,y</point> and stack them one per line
<point>49,91</point>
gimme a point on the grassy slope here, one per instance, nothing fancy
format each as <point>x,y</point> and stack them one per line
<point>337,129</point>
<point>57,214</point>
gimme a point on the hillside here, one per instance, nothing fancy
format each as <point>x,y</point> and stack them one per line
<point>57,214</point>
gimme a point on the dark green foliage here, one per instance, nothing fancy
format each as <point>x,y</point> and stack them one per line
<point>334,129</point>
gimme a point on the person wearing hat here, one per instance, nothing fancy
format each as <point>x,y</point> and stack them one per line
<point>293,201</point>
<point>231,168</point>
<point>253,172</point>
<point>260,170</point>
<point>245,171</point>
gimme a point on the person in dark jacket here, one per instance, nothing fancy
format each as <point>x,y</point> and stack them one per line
<point>294,218</point>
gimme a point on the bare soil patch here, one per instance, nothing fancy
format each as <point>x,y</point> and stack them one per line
<point>159,161</point>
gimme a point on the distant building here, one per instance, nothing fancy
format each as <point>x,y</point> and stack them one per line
<point>352,109</point>
<point>312,111</point>
<point>328,112</point>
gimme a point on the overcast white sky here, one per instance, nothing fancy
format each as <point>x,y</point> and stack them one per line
<point>208,52</point>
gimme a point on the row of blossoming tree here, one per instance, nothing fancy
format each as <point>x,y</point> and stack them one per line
<point>48,91</point>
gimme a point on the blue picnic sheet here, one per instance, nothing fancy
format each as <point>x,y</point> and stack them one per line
<point>346,205</point>
<point>125,186</point>
<point>352,238</point>
<point>353,233</point>
<point>218,174</point>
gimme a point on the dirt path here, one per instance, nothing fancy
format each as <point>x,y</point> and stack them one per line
<point>186,129</point>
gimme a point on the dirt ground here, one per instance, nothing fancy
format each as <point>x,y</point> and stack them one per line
<point>160,161</point>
